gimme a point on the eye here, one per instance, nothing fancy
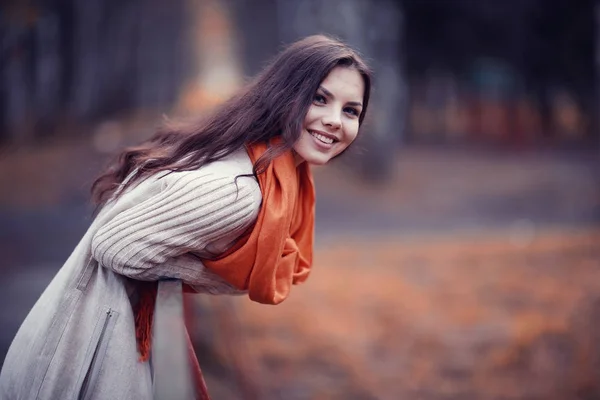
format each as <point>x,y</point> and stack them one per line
<point>352,111</point>
<point>319,98</point>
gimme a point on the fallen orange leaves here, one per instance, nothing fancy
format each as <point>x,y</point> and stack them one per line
<point>471,317</point>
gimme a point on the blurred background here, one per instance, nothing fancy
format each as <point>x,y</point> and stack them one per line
<point>457,244</point>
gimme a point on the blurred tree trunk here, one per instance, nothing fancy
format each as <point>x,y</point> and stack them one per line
<point>161,51</point>
<point>215,66</point>
<point>128,55</point>
<point>87,58</point>
<point>15,61</point>
<point>375,29</point>
<point>595,123</point>
<point>258,32</point>
<point>47,73</point>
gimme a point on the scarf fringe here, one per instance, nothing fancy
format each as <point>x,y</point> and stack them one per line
<point>144,315</point>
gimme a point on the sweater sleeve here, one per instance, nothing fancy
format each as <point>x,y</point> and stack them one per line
<point>157,238</point>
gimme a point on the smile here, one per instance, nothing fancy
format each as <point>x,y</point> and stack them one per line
<point>322,137</point>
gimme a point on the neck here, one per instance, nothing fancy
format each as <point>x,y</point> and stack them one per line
<point>299,160</point>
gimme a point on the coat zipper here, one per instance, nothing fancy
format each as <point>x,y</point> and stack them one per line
<point>109,314</point>
<point>106,320</point>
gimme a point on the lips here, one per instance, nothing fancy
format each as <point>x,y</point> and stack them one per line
<point>323,137</point>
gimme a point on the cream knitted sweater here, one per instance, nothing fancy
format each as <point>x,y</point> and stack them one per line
<point>197,214</point>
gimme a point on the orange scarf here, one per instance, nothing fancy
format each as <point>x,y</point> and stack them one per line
<point>276,253</point>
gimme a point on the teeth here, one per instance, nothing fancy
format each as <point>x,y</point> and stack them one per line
<point>322,138</point>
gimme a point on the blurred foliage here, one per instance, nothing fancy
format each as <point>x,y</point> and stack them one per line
<point>547,42</point>
<point>70,63</point>
<point>510,72</point>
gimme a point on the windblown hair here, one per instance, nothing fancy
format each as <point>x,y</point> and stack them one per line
<point>273,104</point>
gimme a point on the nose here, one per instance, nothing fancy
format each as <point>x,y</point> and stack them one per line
<point>332,120</point>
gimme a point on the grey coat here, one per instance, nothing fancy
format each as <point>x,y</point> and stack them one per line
<point>78,341</point>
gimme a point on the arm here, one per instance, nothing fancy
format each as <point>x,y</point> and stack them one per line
<point>156,238</point>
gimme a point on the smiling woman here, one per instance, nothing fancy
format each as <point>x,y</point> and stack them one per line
<point>226,205</point>
<point>332,121</point>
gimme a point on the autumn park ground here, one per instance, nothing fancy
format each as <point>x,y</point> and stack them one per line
<point>473,274</point>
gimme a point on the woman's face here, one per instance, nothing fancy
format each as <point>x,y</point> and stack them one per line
<point>331,123</point>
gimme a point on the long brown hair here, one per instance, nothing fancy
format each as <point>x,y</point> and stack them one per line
<point>272,104</point>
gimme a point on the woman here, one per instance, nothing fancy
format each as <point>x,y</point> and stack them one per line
<point>226,206</point>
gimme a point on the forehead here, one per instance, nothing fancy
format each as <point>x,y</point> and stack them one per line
<point>345,82</point>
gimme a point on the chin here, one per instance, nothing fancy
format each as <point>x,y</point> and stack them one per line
<point>317,159</point>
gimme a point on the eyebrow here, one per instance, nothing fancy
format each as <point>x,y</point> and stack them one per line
<point>329,94</point>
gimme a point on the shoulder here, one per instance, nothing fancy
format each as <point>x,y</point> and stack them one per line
<point>230,175</point>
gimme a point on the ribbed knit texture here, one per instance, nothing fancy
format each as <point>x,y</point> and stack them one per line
<point>158,237</point>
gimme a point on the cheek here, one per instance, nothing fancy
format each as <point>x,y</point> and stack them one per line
<point>351,132</point>
<point>350,136</point>
<point>311,115</point>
